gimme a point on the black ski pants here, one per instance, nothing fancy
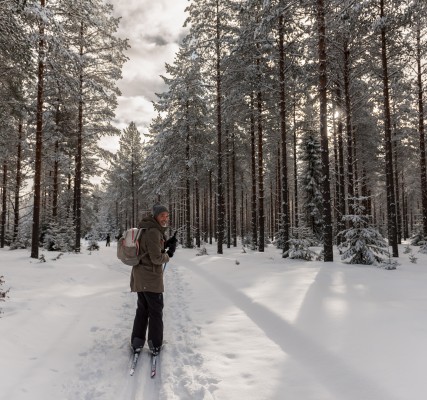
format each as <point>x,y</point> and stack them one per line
<point>149,314</point>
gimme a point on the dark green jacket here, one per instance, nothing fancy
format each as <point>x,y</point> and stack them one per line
<point>147,276</point>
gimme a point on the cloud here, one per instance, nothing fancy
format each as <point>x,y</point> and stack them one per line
<point>136,109</point>
<point>154,30</point>
<point>141,75</point>
<point>160,17</point>
<point>158,40</point>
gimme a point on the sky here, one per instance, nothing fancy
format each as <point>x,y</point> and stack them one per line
<point>154,30</point>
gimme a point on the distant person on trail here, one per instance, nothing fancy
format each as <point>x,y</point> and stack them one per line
<point>107,243</point>
<point>147,280</point>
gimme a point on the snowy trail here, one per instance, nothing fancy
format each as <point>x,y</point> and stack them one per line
<point>238,325</point>
<point>140,385</point>
<point>182,371</point>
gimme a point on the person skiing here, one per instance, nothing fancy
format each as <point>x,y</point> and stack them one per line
<point>147,280</point>
<point>107,242</point>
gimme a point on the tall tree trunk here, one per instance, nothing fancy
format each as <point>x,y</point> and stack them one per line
<point>206,216</point>
<point>233,192</point>
<point>355,169</point>
<point>349,128</point>
<point>253,176</point>
<point>188,241</point>
<point>283,135</point>
<point>404,209</point>
<point>271,224</point>
<point>327,209</point>
<point>55,188</point>
<point>17,183</point>
<point>242,215</point>
<point>215,218</point>
<point>397,191</point>
<point>296,199</point>
<point>118,228</point>
<point>78,158</point>
<point>423,169</point>
<point>220,194</point>
<point>278,195</point>
<point>197,206</point>
<point>261,215</point>
<point>39,142</point>
<point>228,187</point>
<point>340,177</point>
<point>391,201</point>
<point>364,189</point>
<point>211,208</point>
<point>4,206</point>
<point>336,166</point>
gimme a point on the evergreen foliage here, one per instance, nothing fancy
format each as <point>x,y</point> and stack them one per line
<point>237,143</point>
<point>389,264</point>
<point>60,61</point>
<point>311,180</point>
<point>423,248</point>
<point>299,245</point>
<point>299,250</point>
<point>418,239</point>
<point>362,244</point>
<point>59,236</point>
<point>124,183</point>
<point>93,245</point>
<point>3,293</point>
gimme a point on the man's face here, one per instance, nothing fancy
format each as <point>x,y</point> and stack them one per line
<point>163,219</point>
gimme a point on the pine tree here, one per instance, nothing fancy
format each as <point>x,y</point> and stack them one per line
<point>59,236</point>
<point>96,44</point>
<point>311,181</point>
<point>125,177</point>
<point>39,133</point>
<point>211,23</point>
<point>299,246</point>
<point>419,17</point>
<point>391,200</point>
<point>362,244</point>
<point>323,80</point>
<point>15,70</point>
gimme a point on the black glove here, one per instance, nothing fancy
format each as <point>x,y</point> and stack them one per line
<point>172,241</point>
<point>170,253</point>
<point>172,247</point>
<point>170,244</point>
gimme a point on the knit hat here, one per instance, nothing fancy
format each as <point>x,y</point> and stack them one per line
<point>158,209</point>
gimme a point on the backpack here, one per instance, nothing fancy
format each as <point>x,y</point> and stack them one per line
<point>128,251</point>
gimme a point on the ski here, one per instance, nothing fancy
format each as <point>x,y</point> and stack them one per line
<point>154,354</point>
<point>134,362</point>
<point>153,365</point>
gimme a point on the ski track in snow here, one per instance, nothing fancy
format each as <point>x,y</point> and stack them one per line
<point>180,373</point>
<point>229,334</point>
<point>183,373</point>
<point>298,345</point>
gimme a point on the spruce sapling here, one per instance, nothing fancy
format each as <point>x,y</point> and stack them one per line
<point>362,244</point>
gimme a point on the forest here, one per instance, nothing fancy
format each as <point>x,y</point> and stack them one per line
<point>288,123</point>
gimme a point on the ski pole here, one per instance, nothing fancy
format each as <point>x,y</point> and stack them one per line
<point>164,267</point>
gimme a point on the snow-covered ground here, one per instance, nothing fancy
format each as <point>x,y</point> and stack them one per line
<point>238,326</point>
